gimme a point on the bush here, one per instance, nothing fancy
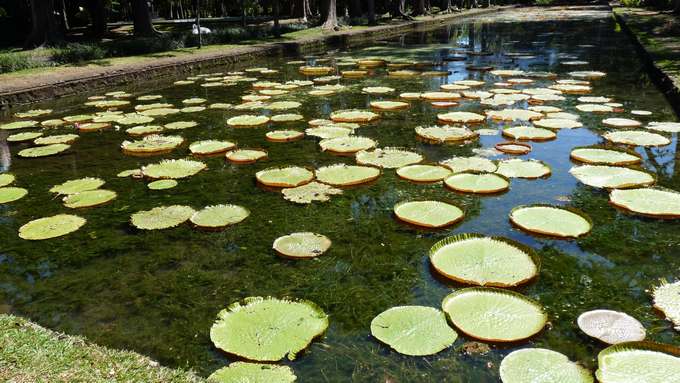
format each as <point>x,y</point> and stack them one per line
<point>631,3</point>
<point>145,45</point>
<point>15,61</point>
<point>77,53</point>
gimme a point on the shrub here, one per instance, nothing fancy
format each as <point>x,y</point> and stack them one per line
<point>15,61</point>
<point>77,53</point>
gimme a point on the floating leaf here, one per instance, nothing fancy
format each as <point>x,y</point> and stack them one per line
<point>43,151</point>
<point>219,216</point>
<point>516,168</point>
<point>24,136</point>
<point>153,144</point>
<point>388,158</point>
<point>179,125</point>
<point>551,220</point>
<point>6,179</point>
<point>329,131</point>
<point>430,214</point>
<point>638,362</point>
<point>159,112</point>
<point>358,116</point>
<point>440,96</point>
<point>51,227</point>
<point>636,138</point>
<point>247,120</point>
<point>78,185</point>
<point>514,115</point>
<point>621,123</point>
<point>284,135</point>
<point>494,315</point>
<point>541,365</point>
<point>389,105</point>
<point>135,119</point>
<point>445,133</point>
<point>286,117</point>
<point>463,164</point>
<point>89,198</point>
<point>485,261</point>
<point>656,202</point>
<point>668,127</point>
<point>173,169</point>
<point>285,177</point>
<point>302,245</point>
<point>18,125</point>
<point>600,156</point>
<point>413,330</point>
<point>268,329</point>
<point>611,326</point>
<point>313,191</point>
<point>479,183</point>
<point>377,90</point>
<point>162,184</point>
<point>461,117</point>
<point>529,133</point>
<point>557,123</point>
<point>11,194</point>
<point>347,145</point>
<point>346,175</point>
<point>423,173</point>
<point>246,156</point>
<point>241,372</point>
<point>611,177</point>
<point>667,300</point>
<point>57,139</point>
<point>162,217</point>
<point>208,147</point>
<point>144,130</point>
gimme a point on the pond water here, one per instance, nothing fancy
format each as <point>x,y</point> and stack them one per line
<point>158,292</point>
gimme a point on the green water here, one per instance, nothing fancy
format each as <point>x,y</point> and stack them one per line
<point>158,292</point>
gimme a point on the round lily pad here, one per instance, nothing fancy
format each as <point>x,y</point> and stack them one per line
<point>413,330</point>
<point>219,216</point>
<point>24,136</point>
<point>179,125</point>
<point>284,135</point>
<point>529,133</point>
<point>329,131</point>
<point>478,183</point>
<point>513,147</point>
<point>621,123</point>
<point>667,300</point>
<point>388,158</point>
<point>162,184</point>
<point>253,373</point>
<point>93,126</point>
<point>463,164</point>
<point>209,147</point>
<point>135,119</point>
<point>650,202</point>
<point>541,365</point>
<point>6,179</point>
<point>153,144</point>
<point>290,117</point>
<point>158,112</point>
<point>445,133</point>
<point>56,139</point>
<point>668,127</point>
<point>601,156</point>
<point>11,194</point>
<point>173,169</point>
<point>301,245</point>
<point>247,120</point>
<point>516,168</point>
<point>78,185</point>
<point>51,227</point>
<point>494,315</point>
<point>358,116</point>
<point>283,105</point>
<point>430,214</point>
<point>638,362</point>
<point>246,156</point>
<point>557,123</point>
<point>89,198</point>
<point>346,175</point>
<point>307,193</point>
<point>162,217</point>
<point>611,326</point>
<point>389,105</point>
<point>485,261</point>
<point>513,115</point>
<point>43,151</point>
<point>461,117</point>
<point>346,145</point>
<point>595,108</point>
<point>18,125</point>
<point>423,173</point>
<point>284,177</point>
<point>268,329</point>
<point>144,130</point>
<point>550,220</point>
<point>636,138</point>
<point>377,90</point>
<point>611,177</point>
<point>440,96</point>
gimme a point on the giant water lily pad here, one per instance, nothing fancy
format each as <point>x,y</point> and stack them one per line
<point>153,144</point>
<point>135,119</point>
<point>463,164</point>
<point>539,365</point>
<point>219,216</point>
<point>284,135</point>
<point>346,145</point>
<point>494,315</point>
<point>89,198</point>
<point>43,151</point>
<point>551,221</point>
<point>668,127</point>
<point>51,227</point>
<point>346,175</point>
<point>179,125</point>
<point>144,130</point>
<point>486,261</point>
<point>611,177</point>
<point>56,139</point>
<point>557,123</point>
<point>357,116</point>
<point>601,156</point>
<point>636,138</point>
<point>159,112</point>
<point>445,133</point>
<point>313,191</point>
<point>621,123</point>
<point>162,217</point>
<point>329,131</point>
<point>413,330</point>
<point>268,329</point>
<point>162,184</point>
<point>246,156</point>
<point>11,194</point>
<point>78,185</point>
<point>18,125</point>
<point>208,147</point>
<point>6,179</point>
<point>479,183</point>
<point>461,117</point>
<point>430,214</point>
<point>611,326</point>
<point>241,372</point>
<point>173,169</point>
<point>301,245</point>
<point>650,202</point>
<point>388,158</point>
<point>513,115</point>
<point>247,120</point>
<point>517,168</point>
<point>667,300</point>
<point>638,362</point>
<point>423,173</point>
<point>284,177</point>
<point>529,133</point>
<point>24,136</point>
<point>389,105</point>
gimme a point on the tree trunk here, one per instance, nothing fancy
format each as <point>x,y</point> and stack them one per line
<point>243,13</point>
<point>419,8</point>
<point>44,26</point>
<point>141,17</point>
<point>355,9</point>
<point>62,15</point>
<point>331,22</point>
<point>398,9</point>
<point>98,12</point>
<point>370,9</point>
<point>277,27</point>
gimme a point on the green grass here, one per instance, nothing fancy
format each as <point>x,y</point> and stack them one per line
<point>30,353</point>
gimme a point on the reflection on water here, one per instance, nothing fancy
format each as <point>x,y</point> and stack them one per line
<point>158,292</point>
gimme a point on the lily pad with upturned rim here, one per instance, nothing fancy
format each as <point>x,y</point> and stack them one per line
<point>6,179</point>
<point>173,169</point>
<point>247,121</point>
<point>301,245</point>
<point>284,135</point>
<point>429,214</point>
<point>423,173</point>
<point>636,138</point>
<point>355,115</point>
<point>611,177</point>
<point>346,175</point>
<point>284,177</point>
<point>246,156</point>
<point>463,164</point>
<point>51,227</point>
<point>610,326</point>
<point>445,133</point>
<point>541,365</point>
<point>551,221</point>
<point>347,145</point>
<point>388,158</point>
<point>517,168</point>
<point>208,147</point>
<point>649,202</point>
<point>242,372</point>
<point>56,139</point>
<point>667,300</point>
<point>638,362</point>
<point>307,193</point>
<point>604,156</point>
<point>478,183</point>
<point>162,217</point>
<point>43,151</point>
<point>24,136</point>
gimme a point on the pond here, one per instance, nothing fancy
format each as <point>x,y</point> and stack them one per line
<point>158,292</point>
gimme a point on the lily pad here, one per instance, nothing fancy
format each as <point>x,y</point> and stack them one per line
<point>650,202</point>
<point>179,125</point>
<point>153,144</point>
<point>219,216</point>
<point>551,220</point>
<point>463,164</point>
<point>611,177</point>
<point>162,217</point>
<point>485,261</point>
<point>445,133</point>
<point>89,198</point>
<point>494,315</point>
<point>611,327</point>
<point>514,115</point>
<point>284,135</point>
<point>601,156</point>
<point>56,139</point>
<point>413,330</point>
<point>430,214</point>
<point>388,158</point>
<point>541,365</point>
<point>557,123</point>
<point>636,138</point>
<point>284,177</point>
<point>356,116</point>
<point>667,300</point>
<point>621,123</point>
<point>241,372</point>
<point>389,105</point>
<point>346,145</point>
<point>209,147</point>
<point>247,120</point>
<point>529,133</point>
<point>6,179</point>
<point>478,183</point>
<point>638,362</point>
<point>377,90</point>
<point>24,136</point>
<point>346,175</point>
<point>423,173</point>
<point>162,184</point>
<point>78,185</point>
<point>313,191</point>
<point>43,151</point>
<point>18,125</point>
<point>144,130</point>
<point>290,117</point>
<point>173,169</point>
<point>461,117</point>
<point>51,227</point>
<point>516,168</point>
<point>246,156</point>
<point>11,194</point>
<point>268,329</point>
<point>302,245</point>
<point>668,127</point>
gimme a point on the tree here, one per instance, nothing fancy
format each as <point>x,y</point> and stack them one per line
<point>419,8</point>
<point>97,10</point>
<point>277,27</point>
<point>398,9</point>
<point>370,8</point>
<point>331,22</point>
<point>243,13</point>
<point>141,18</point>
<point>45,28</point>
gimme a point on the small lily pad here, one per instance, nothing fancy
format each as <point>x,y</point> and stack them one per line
<point>11,194</point>
<point>78,185</point>
<point>302,245</point>
<point>89,198</point>
<point>51,227</point>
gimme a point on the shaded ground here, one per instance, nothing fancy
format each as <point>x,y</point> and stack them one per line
<point>31,353</point>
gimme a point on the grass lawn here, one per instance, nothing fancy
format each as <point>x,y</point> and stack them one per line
<point>30,353</point>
